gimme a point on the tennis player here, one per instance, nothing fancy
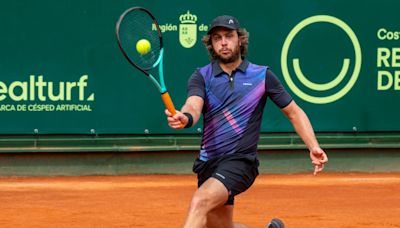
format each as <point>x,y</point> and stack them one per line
<point>231,93</point>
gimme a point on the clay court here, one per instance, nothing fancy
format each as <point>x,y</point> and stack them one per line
<point>301,200</point>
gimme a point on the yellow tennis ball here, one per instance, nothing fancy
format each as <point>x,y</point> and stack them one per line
<point>143,46</point>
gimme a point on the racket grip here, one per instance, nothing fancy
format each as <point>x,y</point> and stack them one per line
<point>168,103</point>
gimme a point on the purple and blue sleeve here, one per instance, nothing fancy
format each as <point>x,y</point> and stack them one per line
<point>196,85</point>
<point>276,91</point>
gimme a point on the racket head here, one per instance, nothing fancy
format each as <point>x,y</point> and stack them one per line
<point>134,24</point>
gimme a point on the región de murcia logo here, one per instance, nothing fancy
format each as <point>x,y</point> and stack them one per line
<point>188,29</point>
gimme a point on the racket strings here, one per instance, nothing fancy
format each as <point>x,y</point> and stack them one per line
<point>137,25</point>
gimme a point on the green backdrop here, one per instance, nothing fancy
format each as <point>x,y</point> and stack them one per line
<point>61,71</point>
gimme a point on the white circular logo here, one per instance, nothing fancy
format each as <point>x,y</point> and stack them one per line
<point>321,86</point>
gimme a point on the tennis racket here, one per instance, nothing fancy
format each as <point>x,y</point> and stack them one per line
<point>138,24</point>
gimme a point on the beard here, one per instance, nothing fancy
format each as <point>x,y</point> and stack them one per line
<point>234,55</point>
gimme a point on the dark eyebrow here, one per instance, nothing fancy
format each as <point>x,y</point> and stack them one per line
<point>224,34</point>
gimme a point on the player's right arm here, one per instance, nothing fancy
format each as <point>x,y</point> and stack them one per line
<point>192,108</point>
<point>190,113</point>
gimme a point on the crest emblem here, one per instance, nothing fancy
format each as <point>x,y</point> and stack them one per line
<point>188,30</point>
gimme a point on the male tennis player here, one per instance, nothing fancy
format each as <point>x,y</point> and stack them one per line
<point>231,94</point>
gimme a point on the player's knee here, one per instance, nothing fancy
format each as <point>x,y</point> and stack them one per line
<point>200,203</point>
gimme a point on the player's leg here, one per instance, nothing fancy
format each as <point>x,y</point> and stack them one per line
<point>222,217</point>
<point>237,173</point>
<point>209,195</point>
<point>220,180</point>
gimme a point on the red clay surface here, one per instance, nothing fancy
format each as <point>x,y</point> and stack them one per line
<point>301,200</point>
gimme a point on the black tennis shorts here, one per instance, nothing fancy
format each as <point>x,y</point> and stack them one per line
<point>236,171</point>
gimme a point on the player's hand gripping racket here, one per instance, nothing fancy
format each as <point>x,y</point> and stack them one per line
<point>140,40</point>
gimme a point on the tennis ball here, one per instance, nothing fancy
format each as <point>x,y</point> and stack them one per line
<point>143,46</point>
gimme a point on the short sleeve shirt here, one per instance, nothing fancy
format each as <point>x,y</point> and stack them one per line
<point>234,105</point>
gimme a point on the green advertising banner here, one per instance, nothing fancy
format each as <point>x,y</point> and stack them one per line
<point>61,71</point>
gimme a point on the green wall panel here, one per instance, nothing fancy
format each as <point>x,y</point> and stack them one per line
<point>71,46</point>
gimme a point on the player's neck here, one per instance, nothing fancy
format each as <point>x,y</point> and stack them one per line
<point>229,67</point>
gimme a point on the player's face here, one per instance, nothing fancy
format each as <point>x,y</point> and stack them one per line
<point>226,44</point>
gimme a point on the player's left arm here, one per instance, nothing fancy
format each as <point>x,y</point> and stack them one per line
<point>304,129</point>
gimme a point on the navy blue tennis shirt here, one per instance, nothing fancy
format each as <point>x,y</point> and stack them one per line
<point>234,105</point>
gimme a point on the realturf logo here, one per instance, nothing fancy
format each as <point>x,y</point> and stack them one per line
<point>340,82</point>
<point>38,89</point>
<point>36,94</point>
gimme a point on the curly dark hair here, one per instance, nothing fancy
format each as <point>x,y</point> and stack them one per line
<point>243,36</point>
